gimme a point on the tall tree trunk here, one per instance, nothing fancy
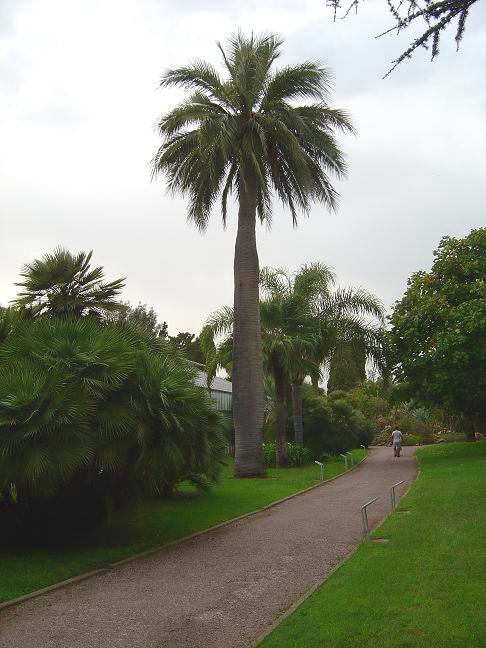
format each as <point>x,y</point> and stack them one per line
<point>247,345</point>
<point>297,410</point>
<point>280,440</point>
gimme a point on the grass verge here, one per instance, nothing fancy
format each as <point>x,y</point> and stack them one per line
<point>149,524</point>
<point>425,586</point>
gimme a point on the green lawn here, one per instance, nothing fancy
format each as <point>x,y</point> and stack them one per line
<point>427,586</point>
<point>150,524</point>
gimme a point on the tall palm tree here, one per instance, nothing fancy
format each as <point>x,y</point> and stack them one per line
<point>64,285</point>
<point>244,135</point>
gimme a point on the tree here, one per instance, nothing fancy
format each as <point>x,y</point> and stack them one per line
<point>62,284</point>
<point>281,345</point>
<point>303,323</point>
<point>188,344</point>
<point>437,16</point>
<point>141,315</point>
<point>285,345</point>
<point>293,298</point>
<point>347,367</point>
<point>243,135</point>
<point>322,321</point>
<point>439,330</point>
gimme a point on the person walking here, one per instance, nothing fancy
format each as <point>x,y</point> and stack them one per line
<point>396,438</point>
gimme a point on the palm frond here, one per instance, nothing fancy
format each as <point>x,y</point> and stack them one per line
<point>244,130</point>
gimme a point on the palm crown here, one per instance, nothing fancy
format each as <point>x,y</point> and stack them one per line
<point>64,285</point>
<point>244,130</point>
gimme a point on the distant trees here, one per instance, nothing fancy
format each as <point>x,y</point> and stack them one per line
<point>189,345</point>
<point>141,315</point>
<point>439,330</point>
<point>184,342</point>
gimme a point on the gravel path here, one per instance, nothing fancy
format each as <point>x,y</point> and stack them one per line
<point>222,589</point>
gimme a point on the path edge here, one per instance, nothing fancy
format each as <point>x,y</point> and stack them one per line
<point>106,568</point>
<point>289,611</point>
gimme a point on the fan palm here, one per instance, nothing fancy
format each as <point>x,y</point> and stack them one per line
<point>62,284</point>
<point>243,135</point>
<point>107,408</point>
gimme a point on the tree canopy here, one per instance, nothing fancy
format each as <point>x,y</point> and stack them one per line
<point>439,329</point>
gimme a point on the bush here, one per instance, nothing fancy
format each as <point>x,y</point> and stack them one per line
<point>332,425</point>
<point>296,455</point>
<point>413,439</point>
<point>91,415</point>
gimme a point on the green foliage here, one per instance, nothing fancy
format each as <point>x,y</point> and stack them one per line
<point>90,412</point>
<point>189,345</point>
<point>141,315</point>
<point>9,319</point>
<point>419,425</point>
<point>371,399</point>
<point>304,322</point>
<point>332,425</point>
<point>296,455</point>
<point>347,367</point>
<point>62,284</point>
<point>245,128</point>
<point>439,329</point>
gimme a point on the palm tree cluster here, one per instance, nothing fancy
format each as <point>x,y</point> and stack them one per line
<point>306,324</point>
<point>93,411</point>
<point>245,134</point>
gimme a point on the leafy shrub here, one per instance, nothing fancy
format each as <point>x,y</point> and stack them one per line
<point>332,425</point>
<point>413,439</point>
<point>91,415</point>
<point>296,455</point>
<point>370,398</point>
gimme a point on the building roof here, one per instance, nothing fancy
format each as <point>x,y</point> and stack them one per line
<point>217,384</point>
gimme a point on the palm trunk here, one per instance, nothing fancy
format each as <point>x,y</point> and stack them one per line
<point>280,440</point>
<point>247,345</point>
<point>297,411</point>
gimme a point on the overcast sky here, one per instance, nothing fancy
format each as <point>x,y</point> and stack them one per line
<point>78,103</point>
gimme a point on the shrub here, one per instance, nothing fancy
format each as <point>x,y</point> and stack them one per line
<point>296,455</point>
<point>332,425</point>
<point>92,414</point>
<point>413,439</point>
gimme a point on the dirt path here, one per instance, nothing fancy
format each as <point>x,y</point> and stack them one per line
<point>222,589</point>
